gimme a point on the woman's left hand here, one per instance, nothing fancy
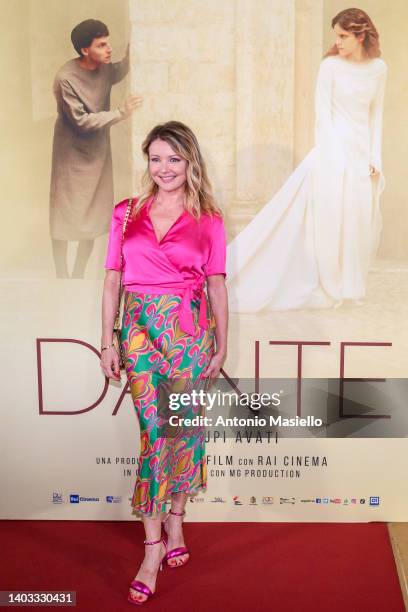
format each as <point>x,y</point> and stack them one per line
<point>215,365</point>
<point>373,171</point>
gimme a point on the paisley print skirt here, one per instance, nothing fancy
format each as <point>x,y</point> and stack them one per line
<point>159,352</point>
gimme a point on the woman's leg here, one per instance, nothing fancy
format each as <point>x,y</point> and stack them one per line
<point>174,527</point>
<point>153,556</point>
<point>189,471</point>
<point>149,494</point>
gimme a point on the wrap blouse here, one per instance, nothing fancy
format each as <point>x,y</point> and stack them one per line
<point>178,264</point>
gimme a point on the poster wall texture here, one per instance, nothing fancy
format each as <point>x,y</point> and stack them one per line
<point>243,76</point>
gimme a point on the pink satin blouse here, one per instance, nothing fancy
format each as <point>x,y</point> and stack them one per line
<point>178,264</point>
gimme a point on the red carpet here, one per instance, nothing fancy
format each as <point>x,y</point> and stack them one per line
<point>283,567</point>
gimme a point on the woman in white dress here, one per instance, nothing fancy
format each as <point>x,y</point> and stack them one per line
<point>310,246</point>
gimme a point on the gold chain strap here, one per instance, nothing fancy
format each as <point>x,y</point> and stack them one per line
<point>125,220</point>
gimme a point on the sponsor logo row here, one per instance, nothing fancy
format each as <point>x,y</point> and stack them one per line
<point>74,498</point>
<point>374,500</point>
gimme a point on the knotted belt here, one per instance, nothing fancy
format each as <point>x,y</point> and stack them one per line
<point>186,290</point>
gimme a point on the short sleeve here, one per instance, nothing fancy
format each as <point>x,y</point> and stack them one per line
<point>113,256</point>
<point>217,254</point>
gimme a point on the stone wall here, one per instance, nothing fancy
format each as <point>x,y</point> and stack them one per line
<point>227,69</point>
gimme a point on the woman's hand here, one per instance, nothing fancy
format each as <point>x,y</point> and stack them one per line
<point>110,363</point>
<point>373,171</point>
<point>215,365</point>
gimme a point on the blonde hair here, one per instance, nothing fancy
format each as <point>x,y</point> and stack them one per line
<point>358,22</point>
<point>199,196</point>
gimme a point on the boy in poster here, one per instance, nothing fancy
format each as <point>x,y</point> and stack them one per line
<point>81,194</point>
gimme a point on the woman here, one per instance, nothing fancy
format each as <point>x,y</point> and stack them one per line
<point>174,242</point>
<point>314,239</point>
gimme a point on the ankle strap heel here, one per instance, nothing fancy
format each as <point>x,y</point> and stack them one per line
<point>180,550</point>
<point>154,542</point>
<point>177,513</point>
<point>157,542</point>
<point>141,587</point>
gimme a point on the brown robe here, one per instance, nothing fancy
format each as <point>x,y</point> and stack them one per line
<point>81,194</point>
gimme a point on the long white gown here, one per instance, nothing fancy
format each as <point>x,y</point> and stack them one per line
<point>310,246</point>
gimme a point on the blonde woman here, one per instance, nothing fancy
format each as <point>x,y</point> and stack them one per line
<point>174,244</point>
<point>313,241</point>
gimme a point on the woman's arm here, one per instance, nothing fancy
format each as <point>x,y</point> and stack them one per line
<point>324,136</point>
<point>376,116</point>
<point>110,298</point>
<point>217,294</point>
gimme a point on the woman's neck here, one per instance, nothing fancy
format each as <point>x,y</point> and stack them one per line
<point>171,199</point>
<point>357,57</point>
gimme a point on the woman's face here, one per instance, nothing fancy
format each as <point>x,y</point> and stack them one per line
<point>347,43</point>
<point>167,168</point>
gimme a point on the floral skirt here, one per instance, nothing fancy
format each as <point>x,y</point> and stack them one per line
<point>158,352</point>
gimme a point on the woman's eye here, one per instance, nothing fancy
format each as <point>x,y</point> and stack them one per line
<point>174,159</point>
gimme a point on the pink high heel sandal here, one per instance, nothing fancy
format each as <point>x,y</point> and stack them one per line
<point>141,587</point>
<point>180,550</point>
